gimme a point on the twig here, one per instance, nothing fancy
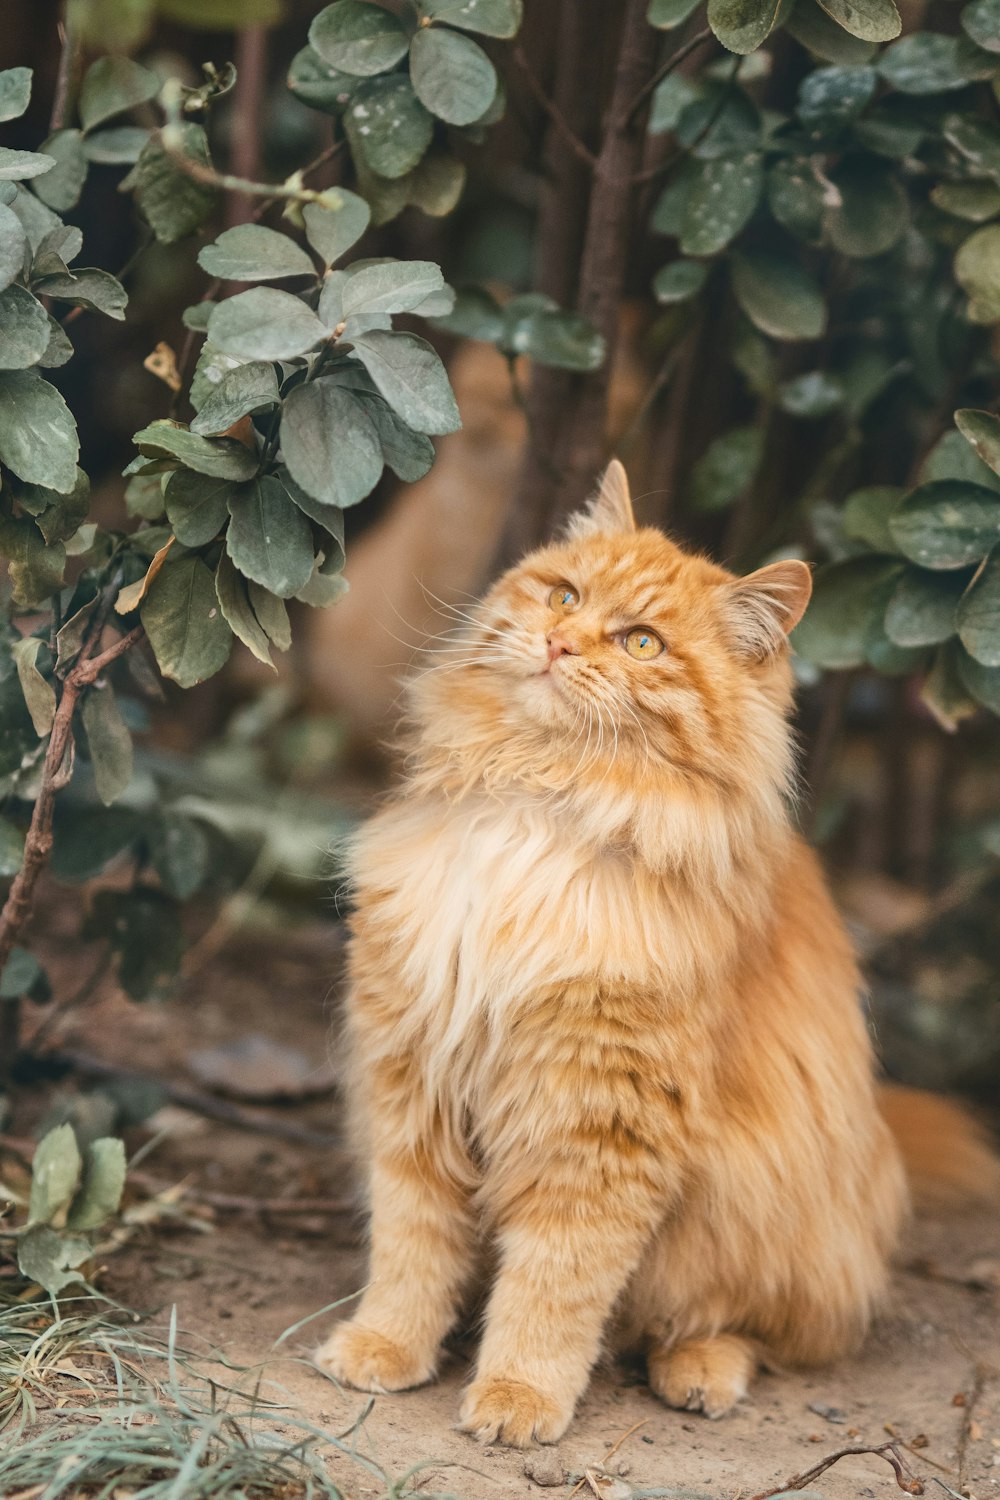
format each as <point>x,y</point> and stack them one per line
<point>199,1102</point>
<point>672,62</point>
<point>552,109</point>
<point>964,1432</point>
<point>610,1453</point>
<point>888,1451</point>
<point>675,156</point>
<point>68,55</point>
<point>245,1204</point>
<point>55,773</point>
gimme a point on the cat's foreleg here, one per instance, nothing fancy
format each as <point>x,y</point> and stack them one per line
<point>569,1240</point>
<point>422,1248</point>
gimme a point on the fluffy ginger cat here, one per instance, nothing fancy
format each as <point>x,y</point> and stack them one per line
<point>604,1020</point>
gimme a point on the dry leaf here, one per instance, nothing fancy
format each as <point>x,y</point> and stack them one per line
<point>163,364</point>
<point>130,598</point>
<point>242,431</point>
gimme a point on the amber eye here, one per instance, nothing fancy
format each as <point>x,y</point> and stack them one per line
<point>643,644</point>
<point>563,599</point>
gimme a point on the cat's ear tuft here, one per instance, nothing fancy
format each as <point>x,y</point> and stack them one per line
<point>764,607</point>
<point>611,508</point>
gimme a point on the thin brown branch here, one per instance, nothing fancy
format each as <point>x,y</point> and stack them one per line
<point>672,62</point>
<point>68,58</point>
<point>552,109</point>
<point>888,1451</point>
<point>245,1203</point>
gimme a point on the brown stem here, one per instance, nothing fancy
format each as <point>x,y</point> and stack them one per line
<point>248,115</point>
<point>672,62</point>
<point>68,56</point>
<point>888,1451</point>
<point>551,108</point>
<point>38,843</point>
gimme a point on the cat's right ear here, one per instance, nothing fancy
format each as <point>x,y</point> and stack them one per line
<point>765,607</point>
<point>611,508</point>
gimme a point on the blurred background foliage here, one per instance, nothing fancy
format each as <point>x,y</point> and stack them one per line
<point>755,250</point>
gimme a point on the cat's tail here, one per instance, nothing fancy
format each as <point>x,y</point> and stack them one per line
<point>948,1157</point>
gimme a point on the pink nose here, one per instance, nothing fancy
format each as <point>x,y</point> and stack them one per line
<point>559,646</point>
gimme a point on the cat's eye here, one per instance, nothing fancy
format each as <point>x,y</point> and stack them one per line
<point>563,599</point>
<point>642,644</point>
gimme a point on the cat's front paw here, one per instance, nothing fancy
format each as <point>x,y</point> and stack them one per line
<point>510,1411</point>
<point>370,1361</point>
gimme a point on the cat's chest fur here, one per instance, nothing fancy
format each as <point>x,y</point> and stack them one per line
<point>486,903</point>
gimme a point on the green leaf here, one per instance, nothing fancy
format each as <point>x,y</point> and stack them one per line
<point>953,458</point>
<point>670,99</point>
<point>50,1259</point>
<point>15,166</point>
<point>814,29</point>
<point>330,446</point>
<point>144,496</point>
<point>11,855</point>
<point>180,852</point>
<point>15,92</point>
<point>451,75</point>
<point>58,516</point>
<point>974,201</point>
<point>251,252</point>
<point>61,187</point>
<point>485,17</point>
<point>18,739</point>
<point>394,286</point>
<point>947,524</point>
<point>666,14</point>
<point>921,611</point>
<point>679,281</point>
<point>409,454</point>
<point>37,433</point>
<point>924,63</point>
<point>981,429</point>
<point>332,231</point>
<point>411,377</point>
<point>210,370</point>
<point>24,329</point>
<point>264,324</point>
<point>13,246</point>
<point>248,388</point>
<point>814,394</point>
<point>71,636</point>
<point>741,25</point>
<point>36,571</point>
<point>723,195</point>
<point>235,605</point>
<point>189,637</point>
<point>720,121</point>
<point>323,589</point>
<point>778,296</point>
<point>977,140</point>
<point>831,97</point>
<point>143,927</point>
<point>172,202</point>
<point>358,38</point>
<point>727,468</point>
<point>867,514</point>
<point>22,975</point>
<point>109,742</point>
<point>222,458</point>
<point>847,603</point>
<point>120,146</point>
<point>112,85</point>
<point>797,198</point>
<point>87,287</point>
<point>272,614</point>
<point>873,214</point>
<point>317,85</point>
<point>103,1183</point>
<point>387,127</point>
<point>476,314</point>
<point>269,539</point>
<point>870,20</point>
<point>977,271</point>
<point>978,615</point>
<point>87,842</point>
<point>982,682</point>
<point>550,336</point>
<point>55,1174</point>
<point>981,22</point>
<point>39,693</point>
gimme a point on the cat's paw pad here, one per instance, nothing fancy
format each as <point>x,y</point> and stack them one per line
<point>370,1361</point>
<point>512,1412</point>
<point>706,1375</point>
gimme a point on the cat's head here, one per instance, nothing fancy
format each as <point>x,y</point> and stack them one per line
<point>614,652</point>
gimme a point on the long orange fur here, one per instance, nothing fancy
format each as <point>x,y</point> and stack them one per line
<point>604,1021</point>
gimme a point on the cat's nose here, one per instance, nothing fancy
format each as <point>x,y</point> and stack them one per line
<point>559,645</point>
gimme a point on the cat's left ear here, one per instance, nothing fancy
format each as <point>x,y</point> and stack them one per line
<point>611,508</point>
<point>766,606</point>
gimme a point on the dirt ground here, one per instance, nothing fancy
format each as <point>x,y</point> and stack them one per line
<point>930,1372</point>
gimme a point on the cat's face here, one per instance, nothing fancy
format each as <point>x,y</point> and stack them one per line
<point>617,641</point>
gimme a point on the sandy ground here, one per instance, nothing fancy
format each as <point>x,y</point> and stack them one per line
<point>930,1372</point>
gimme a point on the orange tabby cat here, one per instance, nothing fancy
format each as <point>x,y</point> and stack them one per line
<point>604,1019</point>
